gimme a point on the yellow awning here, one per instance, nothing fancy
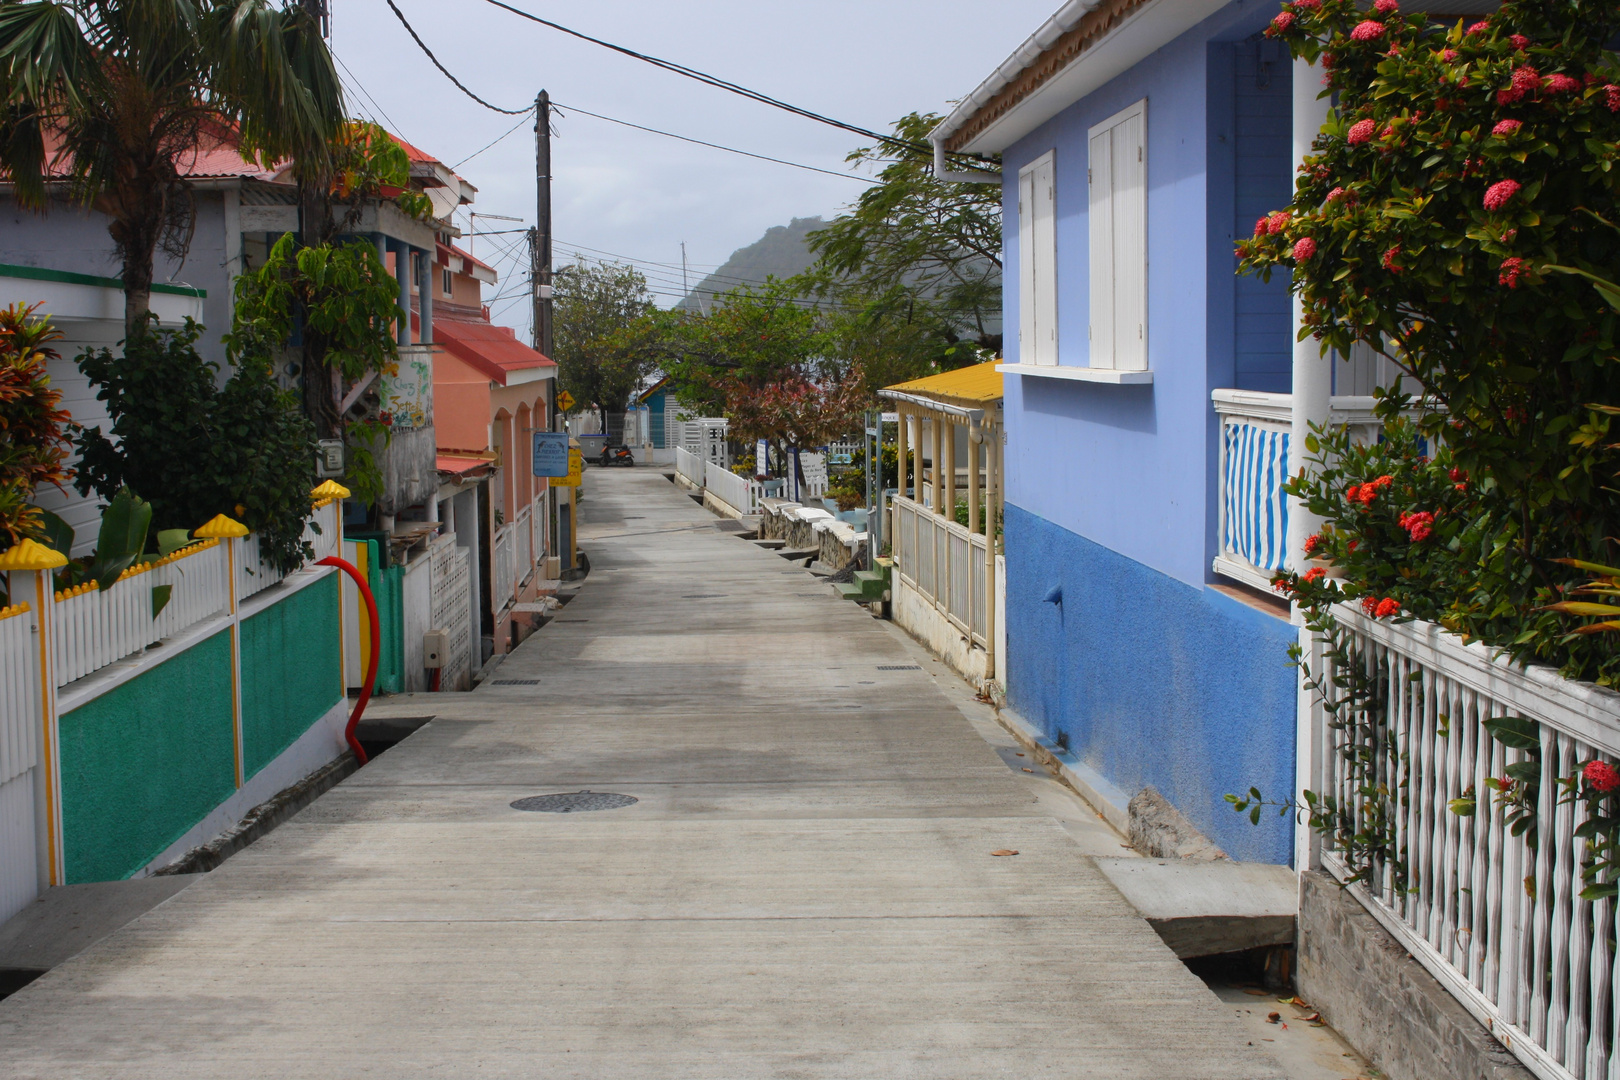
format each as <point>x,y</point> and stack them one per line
<point>971,387</point>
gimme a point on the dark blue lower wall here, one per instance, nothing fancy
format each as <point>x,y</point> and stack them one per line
<point>1154,682</point>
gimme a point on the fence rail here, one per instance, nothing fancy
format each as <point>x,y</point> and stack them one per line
<point>1497,918</point>
<point>523,554</point>
<point>738,492</point>
<point>1254,448</point>
<point>505,567</point>
<point>943,561</point>
<point>689,465</point>
<point>19,705</point>
<point>254,575</point>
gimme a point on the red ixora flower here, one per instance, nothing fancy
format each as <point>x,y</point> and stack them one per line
<point>1420,525</point>
<point>1562,84</point>
<point>1336,193</point>
<point>1504,128</point>
<point>1498,194</point>
<point>1386,607</point>
<point>1611,96</point>
<point>1278,220</point>
<point>1512,269</point>
<point>1519,41</point>
<point>1315,573</point>
<point>1307,5</point>
<point>1386,7</point>
<point>1479,27</point>
<point>1262,227</point>
<point>1526,79</point>
<point>1312,542</point>
<point>1280,24</point>
<point>1448,55</point>
<point>1389,260</point>
<point>1601,776</point>
<point>1367,30</point>
<point>1304,248</point>
<point>1361,131</point>
<point>1369,604</point>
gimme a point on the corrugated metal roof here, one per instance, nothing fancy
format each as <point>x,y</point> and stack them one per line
<point>975,385</point>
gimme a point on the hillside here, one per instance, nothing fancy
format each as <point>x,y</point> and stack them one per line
<point>781,252</point>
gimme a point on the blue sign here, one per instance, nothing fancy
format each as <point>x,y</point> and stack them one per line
<point>551,453</point>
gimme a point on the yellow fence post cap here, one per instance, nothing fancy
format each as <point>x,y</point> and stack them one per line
<point>331,489</point>
<point>31,555</point>
<point>220,528</point>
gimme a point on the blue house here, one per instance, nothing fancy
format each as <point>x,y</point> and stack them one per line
<point>1153,398</point>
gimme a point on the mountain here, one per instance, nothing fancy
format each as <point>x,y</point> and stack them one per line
<point>781,252</point>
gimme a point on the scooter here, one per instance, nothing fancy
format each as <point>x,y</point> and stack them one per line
<point>616,455</point>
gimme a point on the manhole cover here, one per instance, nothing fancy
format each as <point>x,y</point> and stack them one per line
<point>899,667</point>
<point>573,802</point>
<point>515,682</point>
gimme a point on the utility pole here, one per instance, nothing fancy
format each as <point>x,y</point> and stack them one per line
<point>542,183</point>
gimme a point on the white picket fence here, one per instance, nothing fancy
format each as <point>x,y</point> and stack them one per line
<point>689,466</point>
<point>1500,923</point>
<point>944,562</point>
<point>19,753</point>
<point>504,568</point>
<point>738,492</point>
<point>522,547</point>
<point>320,532</point>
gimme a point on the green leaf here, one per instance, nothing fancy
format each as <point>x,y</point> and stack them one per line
<point>56,534</point>
<point>171,540</point>
<point>122,539</point>
<point>1515,732</point>
<point>160,598</point>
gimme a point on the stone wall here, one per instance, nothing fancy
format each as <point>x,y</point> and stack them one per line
<point>1371,991</point>
<point>836,543</point>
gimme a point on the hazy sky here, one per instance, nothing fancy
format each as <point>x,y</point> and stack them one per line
<point>637,195</point>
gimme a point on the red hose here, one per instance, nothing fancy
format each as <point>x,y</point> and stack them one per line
<point>376,647</point>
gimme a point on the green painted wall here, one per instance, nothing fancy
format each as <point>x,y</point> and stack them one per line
<point>146,761</point>
<point>388,586</point>
<point>291,670</point>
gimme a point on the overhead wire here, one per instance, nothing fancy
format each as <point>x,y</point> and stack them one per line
<point>501,138</point>
<point>420,44</point>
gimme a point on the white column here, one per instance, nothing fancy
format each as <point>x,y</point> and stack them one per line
<point>1313,388</point>
<point>1313,373</point>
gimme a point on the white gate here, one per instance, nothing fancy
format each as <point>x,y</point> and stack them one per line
<point>450,590</point>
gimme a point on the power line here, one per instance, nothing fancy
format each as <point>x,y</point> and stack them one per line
<point>362,87</point>
<point>420,44</point>
<point>716,146</point>
<point>486,146</point>
<point>721,84</point>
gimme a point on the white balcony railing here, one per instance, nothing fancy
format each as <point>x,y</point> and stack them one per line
<point>944,562</point>
<point>1497,918</point>
<point>504,569</point>
<point>523,540</point>
<point>1253,527</point>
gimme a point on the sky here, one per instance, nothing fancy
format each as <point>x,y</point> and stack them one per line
<point>618,192</point>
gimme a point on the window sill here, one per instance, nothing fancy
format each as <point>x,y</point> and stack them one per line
<point>1079,374</point>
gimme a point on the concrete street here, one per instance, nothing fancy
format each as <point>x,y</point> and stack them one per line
<point>804,889</point>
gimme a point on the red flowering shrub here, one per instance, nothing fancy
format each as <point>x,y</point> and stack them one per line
<point>1280,24</point>
<point>1386,608</point>
<point>34,429</point>
<point>1601,776</point>
<point>1464,248</point>
<point>1304,248</point>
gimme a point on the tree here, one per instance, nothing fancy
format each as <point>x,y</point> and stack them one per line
<point>605,338</point>
<point>1457,217</point>
<point>754,336</point>
<point>918,258</point>
<point>112,96</point>
<point>34,429</point>
<point>792,411</point>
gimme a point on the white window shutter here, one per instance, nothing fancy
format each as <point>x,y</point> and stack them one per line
<point>1130,245</point>
<point>1100,223</point>
<point>1037,264</point>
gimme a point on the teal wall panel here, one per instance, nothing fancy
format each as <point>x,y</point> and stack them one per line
<point>146,761</point>
<point>291,670</point>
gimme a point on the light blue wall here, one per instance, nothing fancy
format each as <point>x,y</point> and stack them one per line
<point>1153,682</point>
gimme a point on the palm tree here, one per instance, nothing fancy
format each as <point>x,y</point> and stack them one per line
<point>110,97</point>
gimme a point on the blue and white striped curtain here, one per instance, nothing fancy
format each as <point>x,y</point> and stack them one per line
<point>1256,508</point>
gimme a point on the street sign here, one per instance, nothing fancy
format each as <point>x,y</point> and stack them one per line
<point>565,401</point>
<point>551,453</point>
<point>576,470</point>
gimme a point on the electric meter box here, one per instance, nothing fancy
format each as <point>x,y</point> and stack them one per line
<point>435,646</point>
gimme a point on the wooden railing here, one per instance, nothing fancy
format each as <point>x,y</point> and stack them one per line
<point>1497,918</point>
<point>944,562</point>
<point>1253,515</point>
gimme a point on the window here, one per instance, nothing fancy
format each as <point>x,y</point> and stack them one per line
<point>1116,173</point>
<point>1037,264</point>
<point>449,283</point>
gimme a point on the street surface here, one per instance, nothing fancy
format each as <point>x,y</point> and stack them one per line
<point>805,887</point>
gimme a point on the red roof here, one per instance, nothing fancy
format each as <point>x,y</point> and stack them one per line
<point>456,465</point>
<point>492,350</point>
<point>452,249</point>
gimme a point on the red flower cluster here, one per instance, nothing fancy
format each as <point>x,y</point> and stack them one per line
<point>1611,96</point>
<point>1512,269</point>
<point>1526,79</point>
<point>1459,479</point>
<point>1334,194</point>
<point>1386,7</point>
<point>1389,260</point>
<point>1315,573</point>
<point>1448,55</point>
<point>1278,220</point>
<point>1562,84</point>
<point>1304,248</point>
<point>1366,493</point>
<point>1519,41</point>
<point>1504,128</point>
<point>1420,525</point>
<point>1601,776</point>
<point>1367,30</point>
<point>1497,195</point>
<point>1262,227</point>
<point>1479,27</point>
<point>1380,609</point>
<point>1312,542</point>
<point>1280,24</point>
<point>1360,132</point>
<point>1307,5</point>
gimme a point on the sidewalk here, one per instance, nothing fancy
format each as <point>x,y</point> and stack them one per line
<point>804,889</point>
